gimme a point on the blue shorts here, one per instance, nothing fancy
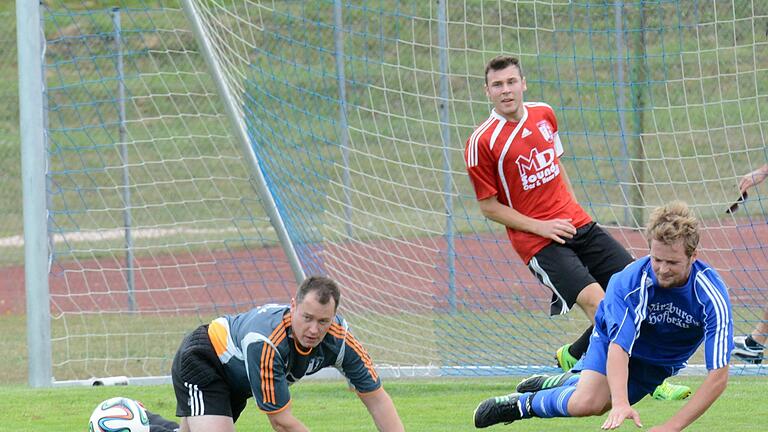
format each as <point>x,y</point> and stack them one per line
<point>643,376</point>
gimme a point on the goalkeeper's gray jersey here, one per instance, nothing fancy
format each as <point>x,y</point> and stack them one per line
<point>261,358</point>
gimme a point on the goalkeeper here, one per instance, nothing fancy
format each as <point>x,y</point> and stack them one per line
<point>655,314</point>
<point>261,352</point>
<point>513,161</point>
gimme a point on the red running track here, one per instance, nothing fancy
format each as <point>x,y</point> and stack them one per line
<point>389,275</point>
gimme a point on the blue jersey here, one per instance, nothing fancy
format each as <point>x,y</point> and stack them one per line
<point>261,358</point>
<point>665,326</point>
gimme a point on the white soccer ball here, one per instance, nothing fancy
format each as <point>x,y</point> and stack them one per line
<point>119,414</point>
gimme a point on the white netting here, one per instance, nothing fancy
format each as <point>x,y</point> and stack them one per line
<point>655,102</point>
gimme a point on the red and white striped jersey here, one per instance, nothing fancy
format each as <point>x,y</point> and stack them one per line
<point>519,164</point>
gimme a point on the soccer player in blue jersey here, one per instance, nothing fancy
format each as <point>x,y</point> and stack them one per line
<point>260,353</point>
<point>655,314</point>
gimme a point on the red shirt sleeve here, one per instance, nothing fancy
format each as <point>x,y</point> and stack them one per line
<point>481,169</point>
<point>553,120</point>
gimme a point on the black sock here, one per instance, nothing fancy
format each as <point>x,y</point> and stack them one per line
<point>158,423</point>
<point>753,343</point>
<point>579,347</point>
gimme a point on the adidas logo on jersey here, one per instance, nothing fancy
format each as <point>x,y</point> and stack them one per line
<point>526,132</point>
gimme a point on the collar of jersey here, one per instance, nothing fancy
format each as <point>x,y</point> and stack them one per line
<point>298,348</point>
<point>504,119</point>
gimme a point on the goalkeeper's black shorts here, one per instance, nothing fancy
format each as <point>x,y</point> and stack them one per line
<point>199,381</point>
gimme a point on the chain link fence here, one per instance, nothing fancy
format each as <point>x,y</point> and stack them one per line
<point>11,226</point>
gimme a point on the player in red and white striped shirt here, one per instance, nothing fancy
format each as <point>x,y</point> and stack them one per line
<point>513,161</point>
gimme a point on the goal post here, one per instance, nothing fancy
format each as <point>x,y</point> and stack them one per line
<point>235,114</point>
<point>260,141</point>
<point>32,128</point>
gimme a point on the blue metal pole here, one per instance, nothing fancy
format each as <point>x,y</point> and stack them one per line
<point>338,37</point>
<point>445,133</point>
<point>127,222</point>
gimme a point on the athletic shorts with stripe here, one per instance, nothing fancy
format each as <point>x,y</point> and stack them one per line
<point>643,377</point>
<point>199,381</point>
<point>592,255</point>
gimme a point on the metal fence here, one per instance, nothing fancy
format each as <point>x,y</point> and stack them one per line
<point>11,230</point>
<point>11,218</point>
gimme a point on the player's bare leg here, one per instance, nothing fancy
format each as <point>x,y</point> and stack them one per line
<point>760,334</point>
<point>589,298</point>
<point>207,423</point>
<point>751,348</point>
<point>592,395</point>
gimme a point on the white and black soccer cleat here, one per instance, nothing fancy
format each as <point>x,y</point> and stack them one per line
<point>748,354</point>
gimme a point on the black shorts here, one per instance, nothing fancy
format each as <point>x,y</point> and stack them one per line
<point>199,380</point>
<point>592,255</point>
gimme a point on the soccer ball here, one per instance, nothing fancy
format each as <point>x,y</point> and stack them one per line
<point>119,414</point>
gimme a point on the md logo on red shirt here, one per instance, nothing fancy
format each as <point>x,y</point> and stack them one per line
<point>538,168</point>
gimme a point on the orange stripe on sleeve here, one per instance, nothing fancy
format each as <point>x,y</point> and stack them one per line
<point>280,327</point>
<point>364,356</point>
<point>266,365</point>
<point>267,374</point>
<point>279,337</point>
<point>278,334</point>
<point>339,332</point>
<point>262,372</point>
<point>336,335</point>
<point>267,362</point>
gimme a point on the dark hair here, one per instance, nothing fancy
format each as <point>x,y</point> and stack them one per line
<point>502,62</point>
<point>326,290</point>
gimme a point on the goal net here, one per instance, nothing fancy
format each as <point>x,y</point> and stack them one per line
<point>202,156</point>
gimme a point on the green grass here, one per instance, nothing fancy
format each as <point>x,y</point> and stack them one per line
<point>424,405</point>
<point>100,345</point>
<point>14,349</point>
<point>138,345</point>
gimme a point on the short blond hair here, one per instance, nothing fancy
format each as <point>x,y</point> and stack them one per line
<point>673,222</point>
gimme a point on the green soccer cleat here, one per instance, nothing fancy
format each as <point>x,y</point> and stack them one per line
<point>497,409</point>
<point>564,358</point>
<point>667,391</point>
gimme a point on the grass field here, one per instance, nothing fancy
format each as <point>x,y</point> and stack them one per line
<point>436,405</point>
